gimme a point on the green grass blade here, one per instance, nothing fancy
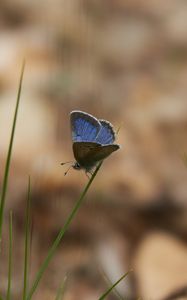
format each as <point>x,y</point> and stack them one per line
<point>61,290</point>
<point>113,286</point>
<point>10,259</point>
<point>8,159</point>
<point>109,283</point>
<point>60,236</point>
<point>27,239</point>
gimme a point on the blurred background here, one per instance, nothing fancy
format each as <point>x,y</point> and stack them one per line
<point>124,61</point>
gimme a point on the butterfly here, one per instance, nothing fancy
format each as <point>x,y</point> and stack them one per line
<point>93,140</point>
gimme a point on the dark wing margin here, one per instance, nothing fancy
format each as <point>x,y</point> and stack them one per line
<point>106,134</point>
<point>85,127</point>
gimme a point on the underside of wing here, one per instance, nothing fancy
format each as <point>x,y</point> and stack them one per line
<point>85,127</point>
<point>88,154</point>
<point>83,152</point>
<point>103,152</point>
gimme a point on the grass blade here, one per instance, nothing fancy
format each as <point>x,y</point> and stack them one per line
<point>113,286</point>
<point>8,159</point>
<point>61,290</point>
<point>27,239</point>
<point>10,259</point>
<point>109,283</point>
<point>60,236</point>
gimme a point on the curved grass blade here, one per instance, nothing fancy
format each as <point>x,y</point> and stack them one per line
<point>60,236</point>
<point>113,286</point>
<point>9,154</point>
<point>27,244</point>
<point>8,296</point>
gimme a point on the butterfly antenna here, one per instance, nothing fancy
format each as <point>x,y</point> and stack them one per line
<point>67,162</point>
<point>64,163</point>
<point>67,170</point>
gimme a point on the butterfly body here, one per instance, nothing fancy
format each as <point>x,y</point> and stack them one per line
<point>93,140</point>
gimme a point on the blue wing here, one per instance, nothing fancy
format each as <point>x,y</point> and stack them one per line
<point>85,127</point>
<point>106,134</point>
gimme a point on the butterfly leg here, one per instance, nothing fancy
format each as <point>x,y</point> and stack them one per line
<point>86,172</point>
<point>90,172</point>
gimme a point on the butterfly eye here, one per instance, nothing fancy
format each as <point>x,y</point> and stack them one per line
<point>76,166</point>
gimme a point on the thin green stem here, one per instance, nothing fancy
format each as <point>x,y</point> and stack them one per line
<point>60,236</point>
<point>113,286</point>
<point>109,283</point>
<point>61,289</point>
<point>27,239</point>
<point>10,259</point>
<point>9,154</point>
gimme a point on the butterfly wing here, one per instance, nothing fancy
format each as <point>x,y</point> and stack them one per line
<point>103,152</point>
<point>106,134</point>
<point>88,154</point>
<point>85,127</point>
<point>82,152</point>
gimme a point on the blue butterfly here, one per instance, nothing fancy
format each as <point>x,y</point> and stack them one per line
<point>93,140</point>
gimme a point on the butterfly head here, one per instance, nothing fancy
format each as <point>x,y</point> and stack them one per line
<point>76,166</point>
